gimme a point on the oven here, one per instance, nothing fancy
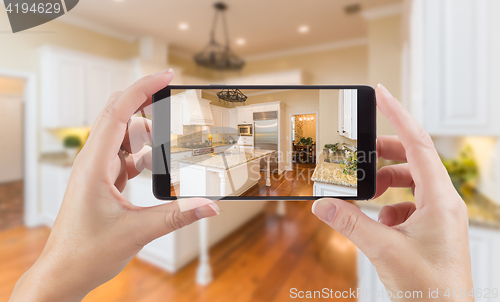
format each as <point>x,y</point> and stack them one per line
<point>245,130</point>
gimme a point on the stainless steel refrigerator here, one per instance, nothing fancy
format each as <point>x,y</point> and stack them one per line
<point>266,136</point>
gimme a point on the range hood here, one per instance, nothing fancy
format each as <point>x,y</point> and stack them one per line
<point>196,109</point>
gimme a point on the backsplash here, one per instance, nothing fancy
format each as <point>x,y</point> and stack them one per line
<point>192,135</point>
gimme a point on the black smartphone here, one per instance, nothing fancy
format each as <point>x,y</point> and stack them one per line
<point>261,142</point>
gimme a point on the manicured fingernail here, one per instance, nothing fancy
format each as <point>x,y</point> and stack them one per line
<point>166,71</point>
<point>384,90</point>
<point>170,70</point>
<point>209,210</point>
<point>324,209</point>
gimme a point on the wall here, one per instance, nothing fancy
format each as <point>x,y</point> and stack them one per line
<point>11,129</point>
<point>309,127</point>
<point>384,60</point>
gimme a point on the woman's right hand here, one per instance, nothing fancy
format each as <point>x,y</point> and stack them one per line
<point>421,246</point>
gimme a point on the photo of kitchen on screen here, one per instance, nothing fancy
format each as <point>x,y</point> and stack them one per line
<point>262,142</point>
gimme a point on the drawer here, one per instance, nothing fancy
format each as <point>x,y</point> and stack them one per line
<point>174,177</point>
<point>174,165</point>
<point>177,156</point>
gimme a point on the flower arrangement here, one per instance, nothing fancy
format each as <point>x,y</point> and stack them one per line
<point>350,164</point>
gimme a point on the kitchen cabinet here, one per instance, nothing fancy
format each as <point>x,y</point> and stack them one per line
<point>174,165</point>
<point>221,119</point>
<point>176,111</point>
<point>324,189</point>
<point>484,246</point>
<point>233,120</point>
<point>265,108</point>
<point>348,113</point>
<point>77,86</point>
<point>54,180</point>
<point>451,67</point>
<point>245,115</point>
<point>245,141</point>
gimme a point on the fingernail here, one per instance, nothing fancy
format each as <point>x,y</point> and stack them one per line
<point>170,70</point>
<point>166,71</point>
<point>383,89</point>
<point>209,210</point>
<point>324,209</point>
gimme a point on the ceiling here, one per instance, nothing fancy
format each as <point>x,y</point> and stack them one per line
<point>266,25</point>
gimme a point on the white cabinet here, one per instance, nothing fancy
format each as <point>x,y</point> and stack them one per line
<point>176,111</point>
<point>76,86</point>
<point>484,246</point>
<point>54,180</point>
<point>324,189</point>
<point>245,141</point>
<point>245,115</point>
<point>348,113</point>
<point>233,120</point>
<point>221,119</point>
<point>265,108</point>
<point>451,66</point>
<point>174,165</point>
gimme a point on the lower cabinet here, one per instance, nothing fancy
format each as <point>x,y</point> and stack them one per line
<point>324,189</point>
<point>174,165</point>
<point>54,180</point>
<point>484,246</point>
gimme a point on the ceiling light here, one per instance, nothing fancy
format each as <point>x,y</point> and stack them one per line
<point>304,29</point>
<point>241,41</point>
<point>183,26</point>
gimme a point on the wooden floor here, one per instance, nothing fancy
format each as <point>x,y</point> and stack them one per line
<point>261,261</point>
<point>11,205</point>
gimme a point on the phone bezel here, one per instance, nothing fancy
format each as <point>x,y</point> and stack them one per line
<point>366,142</point>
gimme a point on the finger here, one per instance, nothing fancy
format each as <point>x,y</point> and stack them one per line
<point>137,135</point>
<point>154,222</point>
<point>371,237</point>
<point>398,176</point>
<point>109,129</point>
<point>395,214</point>
<point>139,161</point>
<point>121,177</point>
<point>423,159</point>
<point>390,148</point>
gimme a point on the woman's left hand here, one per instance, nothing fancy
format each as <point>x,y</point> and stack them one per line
<point>97,231</point>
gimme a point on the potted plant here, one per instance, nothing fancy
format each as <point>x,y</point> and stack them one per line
<point>350,164</point>
<point>332,148</point>
<point>72,143</point>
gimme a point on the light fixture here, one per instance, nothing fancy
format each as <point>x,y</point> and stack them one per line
<point>300,119</point>
<point>241,41</point>
<point>183,26</point>
<point>217,56</point>
<point>303,29</point>
<point>228,96</point>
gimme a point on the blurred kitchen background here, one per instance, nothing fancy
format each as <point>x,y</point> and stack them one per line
<point>440,58</point>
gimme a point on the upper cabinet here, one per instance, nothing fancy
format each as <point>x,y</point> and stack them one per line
<point>348,113</point>
<point>233,120</point>
<point>76,86</point>
<point>176,109</point>
<point>451,66</point>
<point>266,108</point>
<point>245,115</point>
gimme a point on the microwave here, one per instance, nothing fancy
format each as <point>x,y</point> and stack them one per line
<point>245,130</point>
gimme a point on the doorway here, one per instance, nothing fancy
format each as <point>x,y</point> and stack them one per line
<point>304,135</point>
<point>12,146</point>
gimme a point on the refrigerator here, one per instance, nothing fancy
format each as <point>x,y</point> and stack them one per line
<point>266,137</point>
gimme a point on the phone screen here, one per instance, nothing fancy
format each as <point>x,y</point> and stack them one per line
<point>257,142</point>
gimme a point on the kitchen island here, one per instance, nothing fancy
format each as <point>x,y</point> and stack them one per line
<point>329,180</point>
<point>222,174</point>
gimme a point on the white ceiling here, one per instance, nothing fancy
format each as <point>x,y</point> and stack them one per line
<point>266,25</point>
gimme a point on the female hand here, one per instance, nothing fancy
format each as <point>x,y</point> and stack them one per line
<point>97,231</point>
<point>414,246</point>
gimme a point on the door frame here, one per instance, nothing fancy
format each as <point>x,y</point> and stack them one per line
<point>290,144</point>
<point>31,144</point>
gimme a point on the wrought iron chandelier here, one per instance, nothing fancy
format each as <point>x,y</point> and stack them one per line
<point>215,55</point>
<point>233,96</point>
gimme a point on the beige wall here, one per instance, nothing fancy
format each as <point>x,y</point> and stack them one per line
<point>384,60</point>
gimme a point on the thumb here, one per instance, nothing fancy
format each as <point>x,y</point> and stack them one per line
<point>371,237</point>
<point>157,221</point>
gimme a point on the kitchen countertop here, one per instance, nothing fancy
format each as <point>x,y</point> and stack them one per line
<point>57,159</point>
<point>331,173</point>
<point>176,149</point>
<point>482,211</point>
<point>217,160</point>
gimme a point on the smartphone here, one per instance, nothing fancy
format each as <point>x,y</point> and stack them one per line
<point>261,142</point>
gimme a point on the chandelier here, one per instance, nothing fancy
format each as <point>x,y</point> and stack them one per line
<point>215,55</point>
<point>233,96</point>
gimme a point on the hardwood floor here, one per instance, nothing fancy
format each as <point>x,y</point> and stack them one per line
<point>261,261</point>
<point>11,205</point>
